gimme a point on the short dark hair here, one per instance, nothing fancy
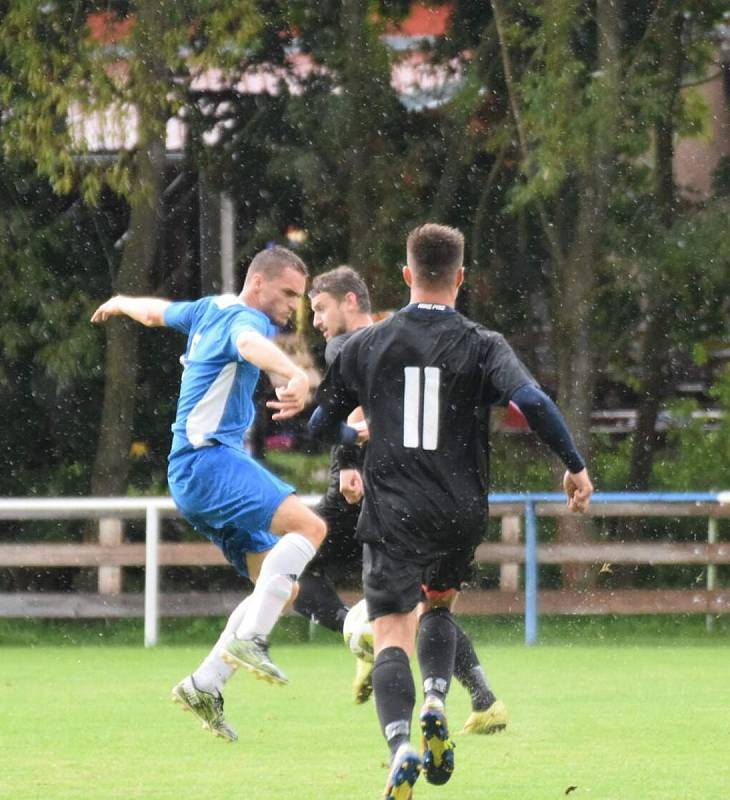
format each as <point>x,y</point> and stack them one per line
<point>435,252</point>
<point>274,260</point>
<point>339,282</point>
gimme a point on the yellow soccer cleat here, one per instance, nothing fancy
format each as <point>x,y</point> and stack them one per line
<point>404,772</point>
<point>437,748</point>
<point>493,720</point>
<point>362,685</point>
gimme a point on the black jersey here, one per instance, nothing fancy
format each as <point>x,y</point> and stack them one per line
<point>425,378</point>
<point>333,501</point>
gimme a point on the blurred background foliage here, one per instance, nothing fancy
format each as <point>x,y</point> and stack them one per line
<point>551,149</point>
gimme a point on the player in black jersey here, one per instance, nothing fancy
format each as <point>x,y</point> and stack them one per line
<point>426,379</point>
<point>341,305</point>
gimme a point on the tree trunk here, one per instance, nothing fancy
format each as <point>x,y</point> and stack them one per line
<point>360,130</point>
<point>572,314</point>
<point>576,273</point>
<point>111,465</point>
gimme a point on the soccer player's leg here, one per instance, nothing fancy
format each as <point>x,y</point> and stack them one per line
<point>301,533</point>
<point>436,647</point>
<point>392,591</point>
<point>488,714</point>
<point>202,691</point>
<point>340,553</point>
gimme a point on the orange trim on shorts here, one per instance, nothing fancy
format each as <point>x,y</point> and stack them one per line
<point>434,594</point>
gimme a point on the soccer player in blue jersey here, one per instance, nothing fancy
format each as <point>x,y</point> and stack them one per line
<point>262,528</point>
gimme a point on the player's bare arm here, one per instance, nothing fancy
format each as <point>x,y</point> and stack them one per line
<point>148,311</point>
<point>264,354</point>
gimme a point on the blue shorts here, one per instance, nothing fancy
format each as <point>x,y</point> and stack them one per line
<point>229,497</point>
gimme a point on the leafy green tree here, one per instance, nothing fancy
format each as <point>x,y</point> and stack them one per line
<point>141,65</point>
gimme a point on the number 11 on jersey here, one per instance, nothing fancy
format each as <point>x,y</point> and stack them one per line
<point>416,432</point>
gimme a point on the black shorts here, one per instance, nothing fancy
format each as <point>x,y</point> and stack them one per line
<point>395,584</point>
<point>340,547</point>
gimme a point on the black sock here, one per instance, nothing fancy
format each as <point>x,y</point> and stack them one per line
<point>317,600</point>
<point>395,695</point>
<point>436,645</point>
<point>469,673</point>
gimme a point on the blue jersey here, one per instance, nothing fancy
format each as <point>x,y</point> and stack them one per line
<point>216,391</point>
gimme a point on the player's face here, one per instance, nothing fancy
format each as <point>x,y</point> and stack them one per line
<point>280,295</point>
<point>329,315</point>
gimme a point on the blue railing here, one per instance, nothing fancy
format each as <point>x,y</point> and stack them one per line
<point>528,500</point>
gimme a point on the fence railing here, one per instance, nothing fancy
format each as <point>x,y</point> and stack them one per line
<point>110,555</point>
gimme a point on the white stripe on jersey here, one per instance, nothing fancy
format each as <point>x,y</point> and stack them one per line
<point>208,411</point>
<point>431,408</point>
<point>411,403</point>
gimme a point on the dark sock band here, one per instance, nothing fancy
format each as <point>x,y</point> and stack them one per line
<point>395,695</point>
<point>436,647</point>
<point>318,601</point>
<point>469,673</point>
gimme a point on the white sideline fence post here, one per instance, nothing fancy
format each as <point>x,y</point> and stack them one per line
<point>712,530</point>
<point>151,576</point>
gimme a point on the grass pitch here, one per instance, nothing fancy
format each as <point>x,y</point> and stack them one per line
<point>610,720</point>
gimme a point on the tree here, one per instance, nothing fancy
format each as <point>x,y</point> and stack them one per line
<point>676,50</point>
<point>64,65</point>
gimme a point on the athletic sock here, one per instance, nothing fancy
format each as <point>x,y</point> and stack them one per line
<point>319,602</point>
<point>280,569</point>
<point>468,671</point>
<point>436,648</point>
<point>395,695</point>
<point>213,672</point>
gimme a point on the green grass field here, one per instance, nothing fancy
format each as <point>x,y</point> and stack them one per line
<point>620,717</point>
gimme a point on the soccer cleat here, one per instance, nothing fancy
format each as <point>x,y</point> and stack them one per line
<point>491,720</point>
<point>438,749</point>
<point>404,771</point>
<point>253,654</point>
<point>206,706</point>
<point>362,686</point>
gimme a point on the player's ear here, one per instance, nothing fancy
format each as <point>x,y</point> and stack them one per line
<point>407,276</point>
<point>459,277</point>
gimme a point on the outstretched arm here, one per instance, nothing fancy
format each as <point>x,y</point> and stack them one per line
<point>547,422</point>
<point>264,354</point>
<point>147,310</point>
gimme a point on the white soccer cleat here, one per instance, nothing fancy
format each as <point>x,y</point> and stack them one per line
<point>206,706</point>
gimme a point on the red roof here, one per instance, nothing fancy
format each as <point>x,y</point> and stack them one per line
<point>425,20</point>
<point>107,27</point>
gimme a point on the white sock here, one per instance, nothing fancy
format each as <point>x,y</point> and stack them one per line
<point>280,569</point>
<point>213,672</point>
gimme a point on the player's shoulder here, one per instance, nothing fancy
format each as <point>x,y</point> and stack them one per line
<point>335,345</point>
<point>355,340</point>
<point>480,332</point>
<point>228,309</point>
